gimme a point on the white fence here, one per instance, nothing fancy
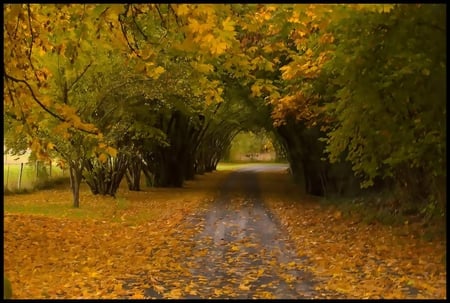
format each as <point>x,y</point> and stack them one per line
<point>24,175</point>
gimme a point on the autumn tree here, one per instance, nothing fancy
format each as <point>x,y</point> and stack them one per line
<point>163,88</point>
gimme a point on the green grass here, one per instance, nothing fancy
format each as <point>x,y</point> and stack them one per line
<point>222,166</point>
<point>48,209</point>
<point>62,209</point>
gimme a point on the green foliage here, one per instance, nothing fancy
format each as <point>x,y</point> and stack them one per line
<point>172,81</point>
<point>51,183</point>
<point>246,144</point>
<point>391,99</point>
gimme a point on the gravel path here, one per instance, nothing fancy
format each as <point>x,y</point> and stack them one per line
<point>241,251</point>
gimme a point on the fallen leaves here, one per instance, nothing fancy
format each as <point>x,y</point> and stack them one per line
<point>55,254</point>
<point>355,259</point>
<point>169,256</point>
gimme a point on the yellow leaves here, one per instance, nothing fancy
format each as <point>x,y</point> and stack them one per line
<point>194,25</point>
<point>291,265</point>
<point>268,49</point>
<point>337,215</point>
<point>198,28</point>
<point>357,260</point>
<point>244,287</point>
<point>103,157</point>
<point>111,151</point>
<point>113,12</point>
<point>262,86</point>
<point>211,91</point>
<point>260,272</point>
<point>256,90</point>
<point>137,296</point>
<point>160,289</point>
<point>118,287</point>
<point>182,9</point>
<point>155,73</point>
<point>234,248</point>
<point>228,25</point>
<point>203,68</point>
<point>295,18</point>
<point>219,48</point>
<point>287,72</point>
<point>57,247</point>
<point>35,145</point>
<point>94,275</point>
<point>174,294</point>
<point>326,38</point>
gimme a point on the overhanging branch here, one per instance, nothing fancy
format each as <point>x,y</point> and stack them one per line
<point>34,96</point>
<point>54,115</point>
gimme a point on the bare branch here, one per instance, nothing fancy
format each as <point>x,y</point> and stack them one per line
<point>80,76</point>
<point>17,27</point>
<point>137,25</point>
<point>177,19</point>
<point>31,42</point>
<point>163,22</point>
<point>124,32</point>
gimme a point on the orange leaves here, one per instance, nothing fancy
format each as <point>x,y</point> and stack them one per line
<point>90,252</point>
<point>357,260</point>
<point>182,9</point>
<point>298,106</point>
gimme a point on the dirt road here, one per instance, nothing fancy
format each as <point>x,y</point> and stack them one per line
<point>240,251</point>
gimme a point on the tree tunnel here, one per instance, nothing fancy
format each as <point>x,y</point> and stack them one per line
<point>161,91</point>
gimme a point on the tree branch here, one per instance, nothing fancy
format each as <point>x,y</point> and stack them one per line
<point>34,96</point>
<point>124,31</point>
<point>80,76</point>
<point>177,19</point>
<point>432,26</point>
<point>40,103</point>
<point>31,43</point>
<point>137,25</point>
<point>163,22</point>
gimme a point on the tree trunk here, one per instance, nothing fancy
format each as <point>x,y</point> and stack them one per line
<point>105,178</point>
<point>76,173</point>
<point>133,173</point>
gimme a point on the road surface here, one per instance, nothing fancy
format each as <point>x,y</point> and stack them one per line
<point>241,252</point>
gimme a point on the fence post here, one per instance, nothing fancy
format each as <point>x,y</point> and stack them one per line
<point>7,175</point>
<point>20,176</point>
<point>50,171</point>
<point>37,170</point>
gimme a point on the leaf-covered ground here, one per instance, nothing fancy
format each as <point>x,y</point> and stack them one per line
<point>166,243</point>
<point>54,251</point>
<point>239,252</point>
<point>353,258</point>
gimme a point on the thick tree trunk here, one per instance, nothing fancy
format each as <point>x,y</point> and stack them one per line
<point>105,178</point>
